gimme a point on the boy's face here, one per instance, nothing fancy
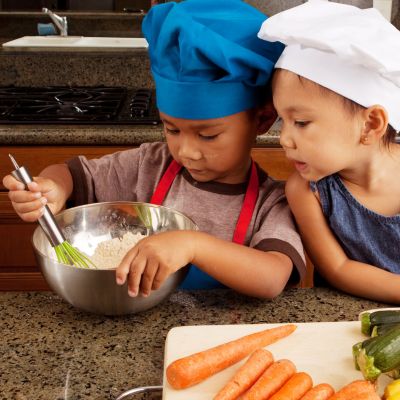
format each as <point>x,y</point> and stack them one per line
<point>213,149</point>
<point>318,133</point>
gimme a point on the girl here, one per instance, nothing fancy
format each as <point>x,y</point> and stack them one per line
<point>337,90</point>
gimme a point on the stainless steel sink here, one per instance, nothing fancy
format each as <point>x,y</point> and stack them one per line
<point>75,42</point>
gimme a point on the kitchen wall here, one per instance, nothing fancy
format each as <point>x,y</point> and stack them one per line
<point>13,25</point>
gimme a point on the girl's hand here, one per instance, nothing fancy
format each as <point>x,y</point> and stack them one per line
<point>154,259</point>
<point>29,204</point>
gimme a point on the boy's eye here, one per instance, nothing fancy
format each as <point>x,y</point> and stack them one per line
<point>208,137</point>
<point>301,124</point>
<point>171,131</point>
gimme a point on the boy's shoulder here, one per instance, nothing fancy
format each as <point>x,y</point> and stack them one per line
<point>155,153</point>
<point>159,149</point>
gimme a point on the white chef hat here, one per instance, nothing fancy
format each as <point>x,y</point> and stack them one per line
<point>354,52</point>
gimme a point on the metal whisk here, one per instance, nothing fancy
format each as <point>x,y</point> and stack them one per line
<point>66,253</point>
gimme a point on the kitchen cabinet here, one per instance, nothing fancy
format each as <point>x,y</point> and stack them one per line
<point>18,270</point>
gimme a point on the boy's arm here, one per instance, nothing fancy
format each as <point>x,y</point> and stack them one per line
<point>249,271</point>
<point>53,187</point>
<point>61,176</point>
<point>327,254</point>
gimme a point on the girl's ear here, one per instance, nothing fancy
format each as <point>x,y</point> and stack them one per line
<point>375,124</point>
<point>266,116</point>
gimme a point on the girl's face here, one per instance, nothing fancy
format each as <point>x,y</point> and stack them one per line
<point>318,133</point>
<point>213,149</point>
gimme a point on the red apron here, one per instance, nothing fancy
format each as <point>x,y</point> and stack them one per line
<point>196,278</point>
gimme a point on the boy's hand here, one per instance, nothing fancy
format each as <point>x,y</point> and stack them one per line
<point>154,259</point>
<point>29,204</point>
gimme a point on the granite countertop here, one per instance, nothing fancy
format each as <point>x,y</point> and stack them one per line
<point>50,350</point>
<point>95,135</point>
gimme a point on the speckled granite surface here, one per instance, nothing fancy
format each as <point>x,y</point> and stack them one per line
<point>92,135</point>
<point>78,135</point>
<point>51,351</point>
<point>119,68</point>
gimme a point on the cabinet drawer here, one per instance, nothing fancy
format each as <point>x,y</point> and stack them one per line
<point>36,158</point>
<point>273,161</point>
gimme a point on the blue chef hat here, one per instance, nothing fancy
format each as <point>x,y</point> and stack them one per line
<point>206,58</point>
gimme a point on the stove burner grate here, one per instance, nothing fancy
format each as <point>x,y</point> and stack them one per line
<point>77,105</point>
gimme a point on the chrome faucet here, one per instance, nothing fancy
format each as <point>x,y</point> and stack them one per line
<point>59,22</point>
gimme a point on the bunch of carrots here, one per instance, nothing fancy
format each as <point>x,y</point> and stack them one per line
<point>260,377</point>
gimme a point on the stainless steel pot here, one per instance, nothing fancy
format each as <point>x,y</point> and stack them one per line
<point>143,389</point>
<point>84,227</point>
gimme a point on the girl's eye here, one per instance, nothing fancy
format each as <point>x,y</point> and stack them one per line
<point>301,124</point>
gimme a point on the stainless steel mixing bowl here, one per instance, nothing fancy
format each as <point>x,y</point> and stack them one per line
<point>95,290</point>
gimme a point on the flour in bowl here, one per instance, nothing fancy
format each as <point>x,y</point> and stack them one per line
<point>109,254</point>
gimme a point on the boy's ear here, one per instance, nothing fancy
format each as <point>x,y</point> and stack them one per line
<point>266,116</point>
<point>375,124</point>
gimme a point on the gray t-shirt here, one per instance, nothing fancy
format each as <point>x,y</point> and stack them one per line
<point>133,175</point>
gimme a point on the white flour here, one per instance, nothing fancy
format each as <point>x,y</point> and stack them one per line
<point>109,254</point>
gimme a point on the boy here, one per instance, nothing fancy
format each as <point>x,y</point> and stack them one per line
<point>211,74</point>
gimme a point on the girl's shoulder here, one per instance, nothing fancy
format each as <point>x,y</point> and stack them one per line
<point>336,197</point>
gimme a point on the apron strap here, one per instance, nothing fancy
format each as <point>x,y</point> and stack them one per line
<point>165,183</point>
<point>248,206</point>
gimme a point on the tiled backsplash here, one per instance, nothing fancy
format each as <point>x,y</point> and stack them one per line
<point>272,7</point>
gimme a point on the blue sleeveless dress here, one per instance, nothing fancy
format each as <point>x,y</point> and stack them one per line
<point>364,235</point>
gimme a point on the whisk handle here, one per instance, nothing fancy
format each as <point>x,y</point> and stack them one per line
<point>46,221</point>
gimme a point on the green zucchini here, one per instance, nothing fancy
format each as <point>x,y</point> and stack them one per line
<point>380,354</point>
<point>382,329</point>
<point>369,320</point>
<point>357,350</point>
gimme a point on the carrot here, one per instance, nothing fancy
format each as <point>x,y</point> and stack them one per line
<point>294,388</point>
<point>356,390</point>
<point>271,380</point>
<point>323,391</point>
<point>246,375</point>
<point>195,368</point>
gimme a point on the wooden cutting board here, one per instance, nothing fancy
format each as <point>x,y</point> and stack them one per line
<point>322,349</point>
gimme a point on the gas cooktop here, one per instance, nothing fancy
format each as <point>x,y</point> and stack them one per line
<point>77,105</point>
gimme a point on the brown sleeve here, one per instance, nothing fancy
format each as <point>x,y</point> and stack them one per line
<point>129,175</point>
<point>80,193</point>
<point>112,177</point>
<point>280,246</point>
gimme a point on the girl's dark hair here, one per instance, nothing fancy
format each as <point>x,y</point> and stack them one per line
<point>353,108</point>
